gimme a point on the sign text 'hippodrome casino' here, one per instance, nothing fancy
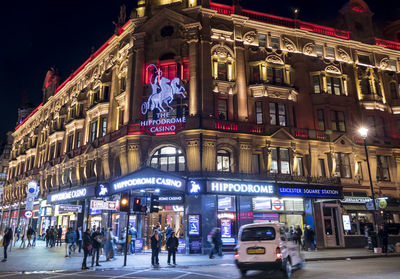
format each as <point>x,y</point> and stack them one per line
<point>237,187</point>
<point>129,183</point>
<point>163,124</point>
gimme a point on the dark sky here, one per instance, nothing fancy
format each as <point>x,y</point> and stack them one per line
<point>38,34</point>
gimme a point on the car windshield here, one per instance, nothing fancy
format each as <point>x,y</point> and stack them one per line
<point>258,233</point>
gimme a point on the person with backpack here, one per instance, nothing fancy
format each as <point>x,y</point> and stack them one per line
<point>155,245</point>
<point>172,246</point>
<point>70,240</point>
<point>7,239</point>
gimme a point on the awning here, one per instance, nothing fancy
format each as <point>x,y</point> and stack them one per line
<point>354,207</point>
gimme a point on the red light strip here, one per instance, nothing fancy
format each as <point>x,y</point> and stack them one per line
<point>32,113</point>
<point>164,133</point>
<point>387,44</point>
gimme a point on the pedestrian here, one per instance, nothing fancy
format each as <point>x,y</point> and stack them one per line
<point>160,238</point>
<point>309,236</point>
<point>383,238</point>
<point>109,246</point>
<point>297,234</point>
<point>97,240</point>
<point>29,234</point>
<point>168,232</point>
<point>79,238</point>
<point>155,245</point>
<point>87,246</point>
<point>59,235</point>
<point>132,235</point>
<point>70,240</point>
<point>23,238</point>
<point>7,239</point>
<point>217,243</point>
<point>53,236</point>
<point>47,236</point>
<point>34,236</point>
<point>172,246</point>
<point>17,234</point>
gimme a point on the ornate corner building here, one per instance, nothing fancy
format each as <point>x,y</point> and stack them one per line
<point>232,116</point>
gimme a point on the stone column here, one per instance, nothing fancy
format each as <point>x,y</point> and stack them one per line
<point>129,86</point>
<point>243,113</point>
<point>207,97</point>
<point>209,154</point>
<point>193,154</point>
<point>192,40</point>
<point>123,160</point>
<point>138,77</point>
<point>112,110</point>
<point>133,156</point>
<point>106,165</point>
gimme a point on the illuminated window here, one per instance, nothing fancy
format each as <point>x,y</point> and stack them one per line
<point>382,168</point>
<point>259,113</point>
<point>330,52</point>
<point>168,159</point>
<point>334,85</point>
<point>274,42</point>
<point>338,121</point>
<point>93,130</point>
<point>223,161</point>
<point>343,168</point>
<point>359,171</point>
<point>321,168</point>
<point>280,162</point>
<point>319,49</point>
<point>393,64</point>
<point>274,75</point>
<point>103,126</point>
<point>262,40</point>
<point>222,109</point>
<point>300,167</point>
<point>169,70</point>
<point>321,119</point>
<point>78,139</point>
<point>317,84</point>
<point>277,113</point>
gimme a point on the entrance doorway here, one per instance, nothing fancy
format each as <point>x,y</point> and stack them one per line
<point>331,227</point>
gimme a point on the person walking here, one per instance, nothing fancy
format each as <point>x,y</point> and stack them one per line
<point>34,236</point>
<point>383,238</point>
<point>7,239</point>
<point>172,246</point>
<point>23,237</point>
<point>29,234</point>
<point>17,234</point>
<point>79,238</point>
<point>70,240</point>
<point>87,246</point>
<point>53,234</point>
<point>59,235</point>
<point>217,243</point>
<point>297,234</point>
<point>168,232</point>
<point>309,238</point>
<point>109,246</point>
<point>97,240</point>
<point>155,245</point>
<point>47,237</point>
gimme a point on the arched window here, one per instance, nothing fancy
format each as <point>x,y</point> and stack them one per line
<point>223,161</point>
<point>168,158</point>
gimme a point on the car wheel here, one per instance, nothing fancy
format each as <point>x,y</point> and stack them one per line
<point>287,269</point>
<point>243,272</point>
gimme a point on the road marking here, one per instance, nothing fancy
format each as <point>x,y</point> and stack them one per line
<point>196,273</point>
<point>183,275</point>
<point>9,274</point>
<point>67,274</point>
<point>128,274</point>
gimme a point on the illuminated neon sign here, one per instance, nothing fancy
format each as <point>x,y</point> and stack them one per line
<point>163,91</point>
<point>71,194</point>
<point>240,187</point>
<point>143,181</point>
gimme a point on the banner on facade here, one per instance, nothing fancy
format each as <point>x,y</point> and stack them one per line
<point>311,191</point>
<point>64,208</point>
<point>72,194</point>
<point>103,205</point>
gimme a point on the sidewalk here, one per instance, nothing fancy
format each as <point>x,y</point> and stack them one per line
<point>41,258</point>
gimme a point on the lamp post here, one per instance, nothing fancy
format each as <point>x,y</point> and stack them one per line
<point>364,134</point>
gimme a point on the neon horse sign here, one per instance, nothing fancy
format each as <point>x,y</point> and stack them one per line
<point>163,91</point>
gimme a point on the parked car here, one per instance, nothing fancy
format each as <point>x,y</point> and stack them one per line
<point>263,246</point>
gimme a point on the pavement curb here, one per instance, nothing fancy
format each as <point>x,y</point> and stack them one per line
<point>352,257</point>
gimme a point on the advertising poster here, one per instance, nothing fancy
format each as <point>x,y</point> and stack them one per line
<point>226,228</point>
<point>181,246</point>
<point>195,246</point>
<point>138,245</point>
<point>194,225</point>
<point>261,204</point>
<point>346,223</point>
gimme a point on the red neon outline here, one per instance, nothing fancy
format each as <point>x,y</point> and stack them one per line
<point>32,113</point>
<point>164,133</point>
<point>387,44</point>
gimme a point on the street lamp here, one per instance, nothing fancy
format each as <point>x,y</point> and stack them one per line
<point>364,134</point>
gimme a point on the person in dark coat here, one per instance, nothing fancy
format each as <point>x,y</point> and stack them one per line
<point>7,239</point>
<point>172,246</point>
<point>87,246</point>
<point>47,236</point>
<point>97,240</point>
<point>309,238</point>
<point>297,234</point>
<point>217,243</point>
<point>59,235</point>
<point>155,245</point>
<point>383,238</point>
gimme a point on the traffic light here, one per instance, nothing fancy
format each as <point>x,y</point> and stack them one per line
<point>136,205</point>
<point>124,202</point>
<point>143,209</point>
<point>154,203</point>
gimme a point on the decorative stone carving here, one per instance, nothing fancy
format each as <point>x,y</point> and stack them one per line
<point>289,45</point>
<point>309,49</point>
<point>343,55</point>
<point>250,37</point>
<point>274,60</point>
<point>384,64</point>
<point>221,52</point>
<point>333,70</point>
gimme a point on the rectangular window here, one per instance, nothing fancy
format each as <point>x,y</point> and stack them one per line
<point>321,119</point>
<point>321,168</point>
<point>284,160</point>
<point>359,171</point>
<point>121,118</point>
<point>317,84</point>
<point>93,130</point>
<point>70,142</point>
<point>393,90</point>
<point>103,126</point>
<point>274,75</point>
<point>330,52</point>
<point>364,59</point>
<point>382,168</point>
<point>78,139</point>
<point>259,113</point>
<point>123,84</point>
<point>262,40</point>
<point>371,125</point>
<point>338,121</point>
<point>256,74</point>
<point>222,109</point>
<point>255,163</point>
<point>275,42</point>
<point>300,167</point>
<point>277,114</point>
<point>319,50</point>
<point>222,71</point>
<point>393,64</point>
<point>343,168</point>
<point>274,160</point>
<point>106,93</point>
<point>334,85</point>
<point>169,70</point>
<point>52,149</point>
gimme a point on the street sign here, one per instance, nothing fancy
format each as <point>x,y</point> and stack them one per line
<point>28,214</point>
<point>369,205</point>
<point>29,202</point>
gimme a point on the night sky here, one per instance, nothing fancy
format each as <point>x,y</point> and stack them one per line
<point>39,34</point>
